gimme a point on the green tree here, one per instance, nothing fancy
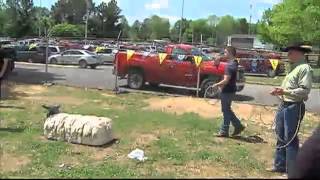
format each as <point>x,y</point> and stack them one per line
<point>200,27</point>
<point>291,20</point>
<point>71,11</point>
<point>109,17</point>
<point>175,31</point>
<point>67,30</point>
<point>243,26</point>
<point>226,27</point>
<point>125,27</point>
<point>22,18</point>
<point>159,27</point>
<point>135,30</point>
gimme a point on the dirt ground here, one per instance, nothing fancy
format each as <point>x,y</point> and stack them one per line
<point>11,163</point>
<point>262,115</point>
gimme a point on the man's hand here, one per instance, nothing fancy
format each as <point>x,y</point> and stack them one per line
<point>277,92</point>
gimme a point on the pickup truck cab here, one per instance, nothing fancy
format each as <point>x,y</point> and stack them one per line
<point>178,69</point>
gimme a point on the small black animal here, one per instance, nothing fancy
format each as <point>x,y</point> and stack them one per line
<point>52,110</point>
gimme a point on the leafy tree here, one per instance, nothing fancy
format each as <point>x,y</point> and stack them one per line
<point>71,11</point>
<point>22,18</point>
<point>243,26</point>
<point>109,17</point>
<point>291,20</point>
<point>67,30</point>
<point>135,30</point>
<point>124,27</point>
<point>159,27</point>
<point>175,31</point>
<point>227,26</point>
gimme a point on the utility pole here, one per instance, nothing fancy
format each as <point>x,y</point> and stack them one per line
<point>86,20</point>
<point>40,3</point>
<point>181,23</point>
<point>250,19</point>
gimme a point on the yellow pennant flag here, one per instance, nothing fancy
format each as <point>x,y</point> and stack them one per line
<point>197,60</point>
<point>274,63</point>
<point>129,54</point>
<point>162,57</point>
<point>238,59</point>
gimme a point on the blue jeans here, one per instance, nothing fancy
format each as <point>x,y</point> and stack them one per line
<point>228,114</point>
<point>287,121</point>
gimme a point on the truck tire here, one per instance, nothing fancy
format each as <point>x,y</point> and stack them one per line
<point>53,61</point>
<point>83,64</point>
<point>271,73</point>
<point>205,85</point>
<point>93,66</point>
<point>135,79</point>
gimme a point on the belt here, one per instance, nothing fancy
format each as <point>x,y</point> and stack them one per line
<point>287,103</point>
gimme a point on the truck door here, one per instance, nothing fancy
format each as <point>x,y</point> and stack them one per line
<point>179,70</point>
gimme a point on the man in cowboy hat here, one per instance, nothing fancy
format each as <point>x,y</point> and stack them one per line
<point>294,91</point>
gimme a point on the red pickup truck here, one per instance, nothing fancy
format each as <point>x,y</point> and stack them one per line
<point>178,69</point>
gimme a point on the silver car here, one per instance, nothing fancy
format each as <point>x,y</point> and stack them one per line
<point>107,55</point>
<point>82,58</point>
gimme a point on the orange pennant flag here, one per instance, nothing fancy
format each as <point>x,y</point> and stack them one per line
<point>162,57</point>
<point>129,54</point>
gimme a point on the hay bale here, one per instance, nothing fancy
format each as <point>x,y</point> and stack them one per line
<point>78,129</point>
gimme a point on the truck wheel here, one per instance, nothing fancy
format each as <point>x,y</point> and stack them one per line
<point>93,66</point>
<point>83,64</point>
<point>208,93</point>
<point>271,73</point>
<point>53,61</point>
<point>135,79</point>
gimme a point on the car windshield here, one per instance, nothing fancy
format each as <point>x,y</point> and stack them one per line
<point>197,52</point>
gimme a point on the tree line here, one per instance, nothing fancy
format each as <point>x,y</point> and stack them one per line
<point>67,18</point>
<point>290,20</point>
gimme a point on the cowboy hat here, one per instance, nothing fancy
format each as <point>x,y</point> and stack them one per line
<point>298,47</point>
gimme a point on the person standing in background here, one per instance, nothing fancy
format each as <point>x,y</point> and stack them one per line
<point>228,90</point>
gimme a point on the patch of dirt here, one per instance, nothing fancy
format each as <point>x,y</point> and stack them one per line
<point>179,105</point>
<point>108,95</point>
<point>145,140</point>
<point>57,100</point>
<point>12,163</point>
<point>198,170</point>
<point>30,89</point>
<point>95,153</point>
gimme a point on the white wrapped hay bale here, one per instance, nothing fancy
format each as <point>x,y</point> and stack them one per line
<point>78,129</point>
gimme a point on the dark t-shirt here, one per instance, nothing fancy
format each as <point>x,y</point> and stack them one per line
<point>231,70</point>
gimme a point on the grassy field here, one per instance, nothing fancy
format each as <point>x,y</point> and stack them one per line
<point>176,145</point>
<point>278,80</point>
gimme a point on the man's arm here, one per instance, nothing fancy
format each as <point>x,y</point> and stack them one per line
<point>226,79</point>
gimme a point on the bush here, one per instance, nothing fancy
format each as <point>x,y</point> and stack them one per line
<point>67,30</point>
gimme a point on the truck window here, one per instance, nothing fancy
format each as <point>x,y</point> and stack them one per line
<point>178,54</point>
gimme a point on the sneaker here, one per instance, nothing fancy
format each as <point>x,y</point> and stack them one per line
<point>222,135</point>
<point>238,131</point>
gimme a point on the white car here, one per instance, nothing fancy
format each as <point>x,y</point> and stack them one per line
<point>107,55</point>
<point>82,58</point>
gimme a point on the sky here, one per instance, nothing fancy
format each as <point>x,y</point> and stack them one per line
<point>193,9</point>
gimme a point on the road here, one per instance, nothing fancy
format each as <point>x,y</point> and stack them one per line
<point>102,78</point>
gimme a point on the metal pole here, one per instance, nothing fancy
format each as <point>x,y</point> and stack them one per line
<point>116,87</point>
<point>198,77</point>
<point>86,29</point>
<point>181,23</point>
<point>250,19</point>
<point>47,52</point>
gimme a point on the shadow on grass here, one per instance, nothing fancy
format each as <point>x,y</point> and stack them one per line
<point>12,130</point>
<point>255,139</point>
<point>11,107</point>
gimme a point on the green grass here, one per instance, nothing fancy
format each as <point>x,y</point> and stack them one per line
<point>251,79</point>
<point>181,141</point>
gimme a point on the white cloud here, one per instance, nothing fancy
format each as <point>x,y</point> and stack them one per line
<point>157,4</point>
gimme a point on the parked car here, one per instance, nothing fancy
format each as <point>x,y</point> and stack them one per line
<point>178,69</point>
<point>35,54</point>
<point>82,58</point>
<point>107,55</point>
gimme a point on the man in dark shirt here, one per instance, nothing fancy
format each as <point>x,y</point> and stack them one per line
<point>228,90</point>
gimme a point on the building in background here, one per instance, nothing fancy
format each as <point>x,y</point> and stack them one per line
<point>244,41</point>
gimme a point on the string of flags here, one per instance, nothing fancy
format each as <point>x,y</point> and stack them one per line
<point>162,57</point>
